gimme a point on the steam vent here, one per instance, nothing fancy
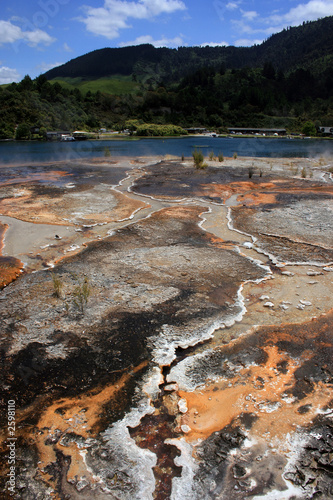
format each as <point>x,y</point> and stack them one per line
<point>166,331</point>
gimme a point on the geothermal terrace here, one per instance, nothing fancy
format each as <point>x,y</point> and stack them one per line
<point>166,332</point>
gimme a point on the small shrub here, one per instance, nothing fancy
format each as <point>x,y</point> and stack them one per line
<point>303,173</point>
<point>198,158</point>
<point>235,156</point>
<point>107,152</point>
<point>183,157</point>
<point>251,172</point>
<point>57,286</point>
<point>221,157</point>
<point>81,295</point>
<point>211,155</point>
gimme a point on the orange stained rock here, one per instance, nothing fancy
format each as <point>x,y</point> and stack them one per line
<point>10,267</point>
<point>59,210</point>
<point>79,416</point>
<point>180,212</point>
<point>257,199</point>
<point>211,409</point>
<point>224,191</point>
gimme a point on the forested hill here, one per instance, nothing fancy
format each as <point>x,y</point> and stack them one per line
<point>309,46</point>
<point>285,82</point>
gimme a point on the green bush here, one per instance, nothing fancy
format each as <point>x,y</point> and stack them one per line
<point>198,159</point>
<point>81,295</point>
<point>23,132</point>
<point>221,157</point>
<point>57,286</point>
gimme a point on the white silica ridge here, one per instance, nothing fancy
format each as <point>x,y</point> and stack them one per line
<point>182,487</point>
<point>126,451</point>
<point>171,337</point>
<point>152,386</point>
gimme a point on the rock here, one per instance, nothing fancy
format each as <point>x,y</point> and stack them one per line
<point>328,269</point>
<point>264,297</point>
<point>171,387</point>
<point>185,429</point>
<point>248,244</point>
<point>288,273</point>
<point>268,304</point>
<point>314,273</point>
<point>305,303</point>
<point>182,405</point>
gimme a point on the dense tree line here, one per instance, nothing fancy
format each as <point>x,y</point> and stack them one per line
<point>247,97</point>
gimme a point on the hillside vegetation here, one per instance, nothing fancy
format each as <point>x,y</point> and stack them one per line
<point>284,82</point>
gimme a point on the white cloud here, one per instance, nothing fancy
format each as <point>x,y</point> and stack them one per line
<point>108,20</point>
<point>249,15</point>
<point>9,75</point>
<point>245,42</point>
<point>232,6</point>
<point>163,42</point>
<point>215,44</point>
<point>43,67</point>
<point>10,33</point>
<point>310,11</point>
<point>277,21</point>
<point>67,48</point>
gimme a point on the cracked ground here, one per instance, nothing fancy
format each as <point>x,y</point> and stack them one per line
<point>166,332</point>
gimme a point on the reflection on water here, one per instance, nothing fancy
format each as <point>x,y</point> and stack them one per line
<point>22,152</point>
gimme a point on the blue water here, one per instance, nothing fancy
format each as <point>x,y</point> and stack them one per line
<point>31,152</point>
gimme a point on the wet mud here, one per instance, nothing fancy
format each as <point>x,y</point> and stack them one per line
<point>171,334</point>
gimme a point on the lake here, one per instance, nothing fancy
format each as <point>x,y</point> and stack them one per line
<point>29,151</point>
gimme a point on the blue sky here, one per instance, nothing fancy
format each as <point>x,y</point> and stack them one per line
<point>36,35</point>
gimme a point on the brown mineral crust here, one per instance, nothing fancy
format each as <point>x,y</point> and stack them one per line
<point>224,191</point>
<point>10,267</point>
<point>169,180</point>
<point>67,207</point>
<point>69,419</point>
<point>295,373</point>
<point>66,423</point>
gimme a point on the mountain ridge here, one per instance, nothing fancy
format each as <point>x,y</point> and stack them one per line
<point>301,46</point>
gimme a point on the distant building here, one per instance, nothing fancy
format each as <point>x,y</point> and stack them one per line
<point>56,136</point>
<point>326,130</point>
<point>81,135</point>
<point>261,131</point>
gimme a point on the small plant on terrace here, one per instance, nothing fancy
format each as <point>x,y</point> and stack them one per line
<point>221,157</point>
<point>198,159</point>
<point>57,286</point>
<point>251,172</point>
<point>235,156</point>
<point>81,294</point>
<point>107,152</point>
<point>211,155</point>
<point>304,173</point>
